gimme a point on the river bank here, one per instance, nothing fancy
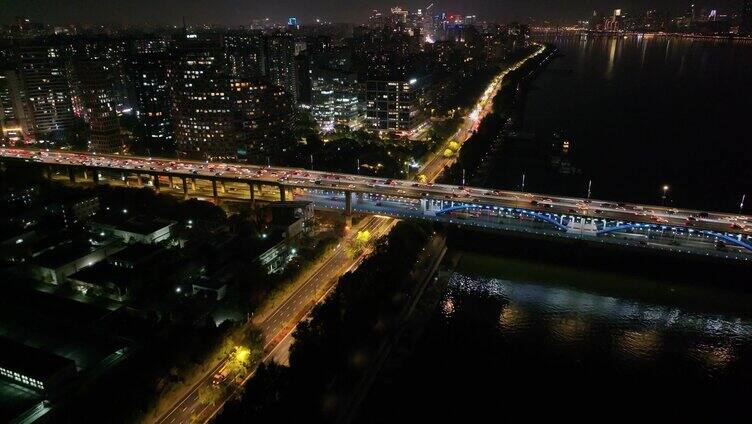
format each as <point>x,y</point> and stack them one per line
<point>476,157</point>
<point>584,330</point>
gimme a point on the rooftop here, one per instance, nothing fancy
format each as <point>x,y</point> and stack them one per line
<point>103,274</point>
<point>64,253</point>
<point>141,224</point>
<point>135,253</point>
<point>145,225</point>
<point>30,361</point>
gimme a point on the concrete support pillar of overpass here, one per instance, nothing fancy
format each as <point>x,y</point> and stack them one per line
<point>250,189</point>
<point>282,196</point>
<point>86,174</point>
<point>155,182</point>
<point>348,203</point>
<point>172,184</point>
<point>184,184</point>
<point>72,174</point>
<point>193,184</point>
<point>214,190</point>
<point>347,214</point>
<point>222,187</point>
<point>95,175</point>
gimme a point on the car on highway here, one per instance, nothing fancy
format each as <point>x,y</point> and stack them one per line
<point>220,376</point>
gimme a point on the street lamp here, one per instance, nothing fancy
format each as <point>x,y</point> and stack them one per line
<point>741,205</point>
<point>665,192</point>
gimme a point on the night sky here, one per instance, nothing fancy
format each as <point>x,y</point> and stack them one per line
<point>240,12</point>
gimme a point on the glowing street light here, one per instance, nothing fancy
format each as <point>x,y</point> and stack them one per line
<point>665,192</point>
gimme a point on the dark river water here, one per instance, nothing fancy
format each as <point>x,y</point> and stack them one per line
<point>642,112</point>
<point>513,337</point>
<point>530,330</point>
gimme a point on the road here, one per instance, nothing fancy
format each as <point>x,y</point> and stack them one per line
<point>311,181</point>
<point>278,326</point>
<point>302,180</point>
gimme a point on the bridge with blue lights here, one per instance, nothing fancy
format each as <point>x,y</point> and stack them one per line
<point>679,230</point>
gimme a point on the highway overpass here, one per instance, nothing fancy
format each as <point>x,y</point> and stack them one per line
<point>680,230</point>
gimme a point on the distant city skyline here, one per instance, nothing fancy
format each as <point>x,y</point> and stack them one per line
<point>236,12</point>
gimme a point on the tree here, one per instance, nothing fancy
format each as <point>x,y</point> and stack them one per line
<point>209,395</point>
<point>358,244</point>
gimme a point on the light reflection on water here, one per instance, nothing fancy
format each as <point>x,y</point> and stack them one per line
<point>625,329</point>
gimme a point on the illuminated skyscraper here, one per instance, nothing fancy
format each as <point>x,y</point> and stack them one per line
<point>13,124</point>
<point>389,105</point>
<point>45,90</point>
<point>149,63</point>
<point>746,17</point>
<point>281,66</point>
<point>94,86</point>
<point>202,109</point>
<point>264,117</point>
<point>334,97</point>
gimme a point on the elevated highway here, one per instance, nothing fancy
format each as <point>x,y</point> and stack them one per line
<point>596,219</point>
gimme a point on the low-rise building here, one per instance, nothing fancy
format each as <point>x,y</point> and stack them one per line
<point>214,288</point>
<point>135,256</point>
<point>33,368</point>
<point>140,229</point>
<point>58,262</point>
<point>113,278</point>
<point>275,258</point>
<point>292,218</point>
<point>102,279</point>
<point>81,208</point>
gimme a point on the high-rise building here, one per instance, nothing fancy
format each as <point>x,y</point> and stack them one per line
<point>264,117</point>
<point>334,98</point>
<point>148,68</point>
<point>95,89</point>
<point>389,105</point>
<point>202,113</point>
<point>281,67</point>
<point>245,53</point>
<point>746,17</point>
<point>334,85</point>
<point>45,90</point>
<point>13,124</point>
<point>387,60</point>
